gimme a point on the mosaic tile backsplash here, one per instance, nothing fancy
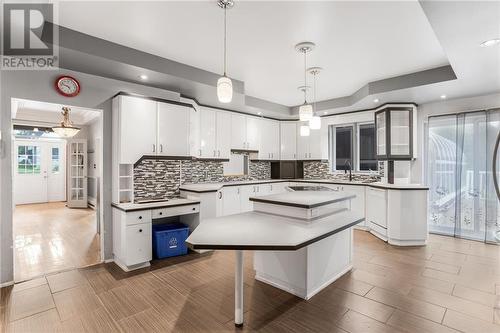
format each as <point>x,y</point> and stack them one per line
<point>158,179</point>
<point>321,170</point>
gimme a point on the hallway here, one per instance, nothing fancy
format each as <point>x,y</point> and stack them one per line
<point>51,237</point>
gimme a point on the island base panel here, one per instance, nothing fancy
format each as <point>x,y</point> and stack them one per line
<point>307,271</point>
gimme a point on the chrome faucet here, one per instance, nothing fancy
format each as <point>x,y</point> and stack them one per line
<point>346,165</point>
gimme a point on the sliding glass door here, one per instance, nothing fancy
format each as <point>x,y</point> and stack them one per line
<point>462,199</point>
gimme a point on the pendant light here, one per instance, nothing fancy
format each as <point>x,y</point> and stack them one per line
<point>66,128</point>
<point>224,84</point>
<point>315,121</point>
<point>305,110</point>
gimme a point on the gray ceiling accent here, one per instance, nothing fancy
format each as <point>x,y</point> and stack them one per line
<point>88,54</point>
<point>430,76</point>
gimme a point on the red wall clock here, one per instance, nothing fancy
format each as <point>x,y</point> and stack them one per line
<point>67,86</point>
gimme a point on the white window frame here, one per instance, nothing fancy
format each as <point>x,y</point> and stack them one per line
<point>355,146</point>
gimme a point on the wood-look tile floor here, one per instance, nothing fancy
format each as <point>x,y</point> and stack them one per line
<point>450,285</point>
<point>51,237</point>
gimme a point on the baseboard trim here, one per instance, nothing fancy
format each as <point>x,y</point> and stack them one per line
<point>6,284</point>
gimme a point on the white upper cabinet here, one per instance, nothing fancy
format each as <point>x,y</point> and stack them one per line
<point>223,134</point>
<point>208,132</point>
<point>147,127</point>
<point>136,120</point>
<point>245,132</point>
<point>215,134</point>
<point>270,139</point>
<point>173,130</point>
<point>238,131</point>
<point>253,132</point>
<point>315,145</point>
<point>308,147</point>
<point>288,138</point>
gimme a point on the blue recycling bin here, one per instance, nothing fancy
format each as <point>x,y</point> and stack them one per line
<point>169,240</point>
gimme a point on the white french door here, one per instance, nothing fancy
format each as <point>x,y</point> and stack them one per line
<point>77,173</point>
<point>39,171</point>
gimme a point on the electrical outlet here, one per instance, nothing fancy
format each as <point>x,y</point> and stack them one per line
<point>206,174</point>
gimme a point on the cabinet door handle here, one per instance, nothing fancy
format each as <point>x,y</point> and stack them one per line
<point>238,190</point>
<point>218,151</point>
<point>214,153</point>
<point>293,155</point>
<point>140,230</point>
<point>140,217</point>
<point>200,151</point>
<point>161,213</point>
<point>220,196</point>
<point>194,208</point>
<point>154,148</point>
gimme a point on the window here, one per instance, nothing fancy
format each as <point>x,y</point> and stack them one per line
<point>354,144</point>
<point>343,147</point>
<point>28,160</point>
<point>55,160</point>
<point>367,148</point>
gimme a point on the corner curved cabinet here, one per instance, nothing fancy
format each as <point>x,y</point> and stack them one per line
<point>396,134</point>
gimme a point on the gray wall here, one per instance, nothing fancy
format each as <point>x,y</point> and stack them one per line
<point>39,85</point>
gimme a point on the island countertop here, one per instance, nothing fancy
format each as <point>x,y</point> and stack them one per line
<point>260,231</point>
<point>304,199</point>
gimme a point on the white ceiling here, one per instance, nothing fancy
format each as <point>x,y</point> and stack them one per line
<point>40,112</point>
<point>357,42</point>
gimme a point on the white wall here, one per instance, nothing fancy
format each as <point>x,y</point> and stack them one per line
<point>39,86</point>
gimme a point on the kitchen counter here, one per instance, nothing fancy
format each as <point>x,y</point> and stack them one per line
<point>304,199</point>
<point>260,231</point>
<point>292,251</point>
<point>130,207</point>
<point>214,187</point>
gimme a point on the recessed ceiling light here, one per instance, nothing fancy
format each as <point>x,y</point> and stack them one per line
<point>375,100</point>
<point>143,77</point>
<point>443,96</point>
<point>490,42</point>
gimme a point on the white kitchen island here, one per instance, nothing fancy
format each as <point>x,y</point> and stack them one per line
<point>302,241</point>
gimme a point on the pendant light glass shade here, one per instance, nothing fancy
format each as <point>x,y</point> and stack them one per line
<point>225,89</point>
<point>315,123</point>
<point>305,112</point>
<point>304,130</point>
<point>65,132</point>
<point>66,128</point>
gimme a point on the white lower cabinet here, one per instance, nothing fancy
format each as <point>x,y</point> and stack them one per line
<point>376,211</point>
<point>139,249</point>
<point>230,200</point>
<point>358,203</point>
<point>132,239</point>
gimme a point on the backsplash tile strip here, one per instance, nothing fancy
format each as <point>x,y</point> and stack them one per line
<point>159,179</point>
<point>321,170</point>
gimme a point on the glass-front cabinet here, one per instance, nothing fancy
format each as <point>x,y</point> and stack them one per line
<point>394,127</point>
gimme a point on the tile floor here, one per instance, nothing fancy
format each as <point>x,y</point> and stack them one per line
<point>51,237</point>
<point>451,285</point>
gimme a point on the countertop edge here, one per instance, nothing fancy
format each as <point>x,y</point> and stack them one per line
<point>382,186</point>
<point>298,205</point>
<point>117,206</point>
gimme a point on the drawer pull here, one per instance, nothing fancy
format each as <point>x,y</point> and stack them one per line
<point>140,230</point>
<point>140,217</point>
<point>194,208</point>
<point>161,213</point>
